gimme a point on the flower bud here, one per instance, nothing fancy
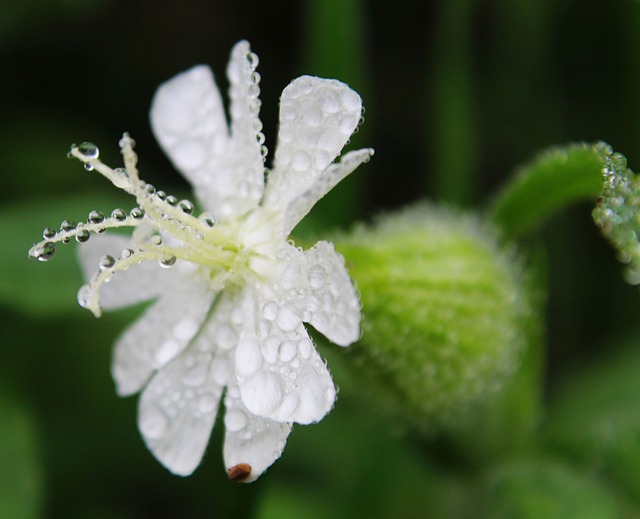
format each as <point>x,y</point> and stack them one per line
<point>444,308</point>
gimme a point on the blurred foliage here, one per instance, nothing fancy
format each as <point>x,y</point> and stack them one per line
<point>457,93</point>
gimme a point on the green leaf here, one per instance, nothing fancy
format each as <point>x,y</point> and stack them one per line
<point>552,181</point>
<point>44,288</point>
<point>594,419</point>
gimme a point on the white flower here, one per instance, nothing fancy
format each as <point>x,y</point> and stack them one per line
<point>230,312</point>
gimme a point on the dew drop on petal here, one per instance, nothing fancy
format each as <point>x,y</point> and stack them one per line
<point>287,351</point>
<point>207,403</point>
<point>270,310</point>
<point>248,357</point>
<point>207,219</point>
<point>153,423</point>
<point>263,392</point>
<point>235,420</point>
<point>287,318</point>
<point>304,348</point>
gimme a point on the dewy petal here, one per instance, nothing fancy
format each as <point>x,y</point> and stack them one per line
<point>279,372</point>
<point>317,118</point>
<point>146,281</point>
<point>178,408</point>
<point>160,334</point>
<point>251,442</point>
<point>300,206</point>
<point>332,300</point>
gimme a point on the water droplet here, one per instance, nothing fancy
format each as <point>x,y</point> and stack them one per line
<point>126,253</point>
<point>263,151</point>
<point>186,206</point>
<point>260,138</point>
<point>153,423</point>
<point>67,225</point>
<point>248,357</point>
<point>83,296</point>
<point>149,189</point>
<point>137,213</point>
<point>95,217</point>
<point>89,150</point>
<point>83,236</point>
<point>49,233</point>
<point>235,420</point>
<point>156,240</point>
<point>287,351</point>
<point>106,262</point>
<point>171,200</point>
<point>88,166</point>
<point>207,403</point>
<point>45,252</point>
<point>167,260</point>
<point>207,219</point>
<point>119,215</point>
<point>161,195</point>
<point>263,392</point>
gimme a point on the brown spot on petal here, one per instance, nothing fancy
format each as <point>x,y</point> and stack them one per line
<point>239,472</point>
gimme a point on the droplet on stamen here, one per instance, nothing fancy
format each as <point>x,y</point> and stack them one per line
<point>156,240</point>
<point>168,260</point>
<point>48,233</point>
<point>106,262</point>
<point>186,206</point>
<point>207,219</point>
<point>83,236</point>
<point>137,213</point>
<point>171,200</point>
<point>126,253</point>
<point>119,215</point>
<point>95,217</point>
<point>67,225</point>
<point>88,150</point>
<point>161,195</point>
<point>45,251</point>
<point>150,189</point>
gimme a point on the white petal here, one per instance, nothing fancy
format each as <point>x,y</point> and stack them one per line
<point>332,300</point>
<point>279,372</point>
<point>317,117</point>
<point>187,117</point>
<point>300,206</point>
<point>140,283</point>
<point>178,408</point>
<point>251,443</point>
<point>160,334</point>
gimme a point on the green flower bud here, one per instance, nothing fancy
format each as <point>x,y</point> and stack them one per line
<point>444,311</point>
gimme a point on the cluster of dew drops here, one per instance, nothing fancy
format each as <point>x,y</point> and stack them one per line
<point>97,222</point>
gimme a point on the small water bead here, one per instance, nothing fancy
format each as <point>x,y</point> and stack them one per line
<point>126,253</point>
<point>83,236</point>
<point>186,206</point>
<point>264,151</point>
<point>171,200</point>
<point>67,225</point>
<point>156,240</point>
<point>49,233</point>
<point>106,262</point>
<point>207,219</point>
<point>260,138</point>
<point>83,296</point>
<point>88,166</point>
<point>137,213</point>
<point>149,189</point>
<point>119,215</point>
<point>162,196</point>
<point>45,252</point>
<point>168,260</point>
<point>88,150</point>
<point>95,217</point>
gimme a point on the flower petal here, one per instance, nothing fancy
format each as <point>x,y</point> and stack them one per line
<point>145,281</point>
<point>178,408</point>
<point>317,117</point>
<point>187,117</point>
<point>160,334</point>
<point>279,372</point>
<point>300,206</point>
<point>332,300</point>
<point>251,443</point>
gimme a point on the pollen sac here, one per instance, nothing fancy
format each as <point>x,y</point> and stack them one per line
<point>239,472</point>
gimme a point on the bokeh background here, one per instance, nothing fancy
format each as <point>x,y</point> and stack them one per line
<point>457,94</point>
